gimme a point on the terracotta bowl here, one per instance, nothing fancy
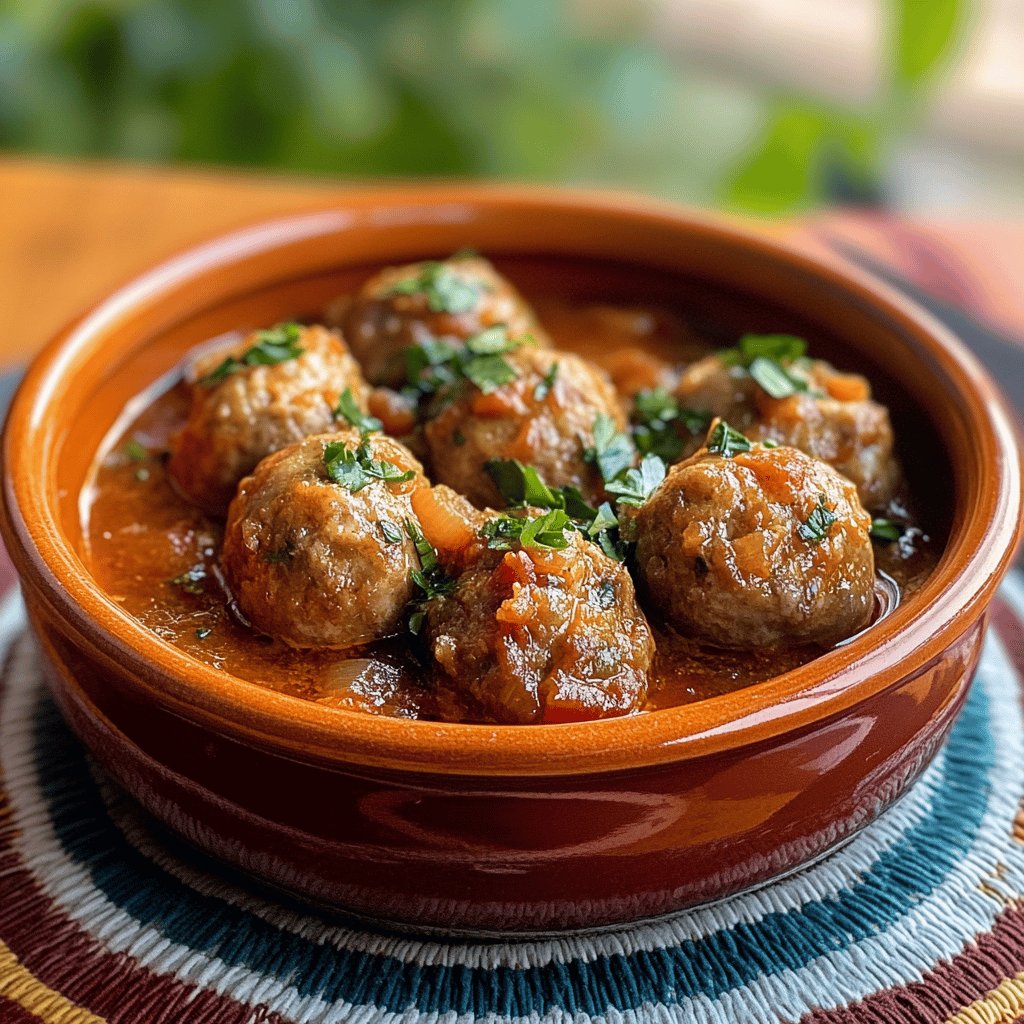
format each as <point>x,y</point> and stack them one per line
<point>493,829</point>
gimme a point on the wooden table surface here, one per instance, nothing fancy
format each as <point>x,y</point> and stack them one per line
<point>71,232</point>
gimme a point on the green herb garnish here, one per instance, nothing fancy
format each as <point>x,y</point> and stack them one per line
<point>392,534</point>
<point>727,442</point>
<point>356,468</point>
<point>134,451</point>
<point>775,379</point>
<point>521,485</point>
<point>505,533</point>
<point>280,556</point>
<point>273,346</point>
<point>543,389</point>
<point>203,632</point>
<point>657,417</point>
<point>887,529</point>
<point>348,409</point>
<point>779,348</point>
<point>430,578</point>
<point>612,451</point>
<point>814,529</point>
<point>488,373</point>
<point>635,486</point>
<point>191,581</point>
<point>432,364</point>
<point>767,358</point>
<point>445,290</point>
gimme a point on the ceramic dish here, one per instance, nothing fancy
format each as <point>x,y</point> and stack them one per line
<point>477,828</point>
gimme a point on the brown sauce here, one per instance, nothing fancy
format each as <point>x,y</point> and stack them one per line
<point>141,535</point>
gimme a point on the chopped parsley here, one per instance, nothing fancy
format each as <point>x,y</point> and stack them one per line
<point>657,417</point>
<point>635,486</point>
<point>521,485</point>
<point>203,632</point>
<point>348,409</point>
<point>191,581</point>
<point>279,557</point>
<point>814,529</point>
<point>612,451</point>
<point>488,372</point>
<point>135,451</point>
<point>273,346</point>
<point>433,364</point>
<point>774,379</point>
<point>727,442</point>
<point>768,358</point>
<point>506,532</point>
<point>779,348</point>
<point>445,290</point>
<point>430,578</point>
<point>887,529</point>
<point>392,534</point>
<point>543,389</point>
<point>357,468</point>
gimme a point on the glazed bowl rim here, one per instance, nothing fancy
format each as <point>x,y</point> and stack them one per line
<point>978,551</point>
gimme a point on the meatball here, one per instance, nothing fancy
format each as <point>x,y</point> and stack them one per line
<point>537,634</point>
<point>319,563</point>
<point>544,417</point>
<point>402,306</point>
<point>835,420</point>
<point>243,409</point>
<point>766,547</point>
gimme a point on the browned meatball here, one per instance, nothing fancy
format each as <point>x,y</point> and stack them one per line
<point>319,563</point>
<point>545,418</point>
<point>402,306</point>
<point>243,410</point>
<point>836,420</point>
<point>542,635</point>
<point>767,547</point>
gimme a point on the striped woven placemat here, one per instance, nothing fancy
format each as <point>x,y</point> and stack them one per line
<point>103,917</point>
<point>920,918</point>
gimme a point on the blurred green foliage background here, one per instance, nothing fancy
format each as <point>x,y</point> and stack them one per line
<point>494,88</point>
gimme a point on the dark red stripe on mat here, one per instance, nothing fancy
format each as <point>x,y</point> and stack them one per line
<point>112,985</point>
<point>65,958</point>
<point>952,985</point>
<point>12,1013</point>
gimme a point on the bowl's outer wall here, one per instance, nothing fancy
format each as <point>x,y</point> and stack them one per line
<point>514,854</point>
<point>535,828</point>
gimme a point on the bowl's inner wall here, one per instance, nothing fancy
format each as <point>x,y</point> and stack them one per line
<point>715,312</point>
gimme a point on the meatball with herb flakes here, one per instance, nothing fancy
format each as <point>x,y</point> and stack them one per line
<point>553,411</point>
<point>541,627</point>
<point>319,549</point>
<point>423,302</point>
<point>767,388</point>
<point>748,546</point>
<point>279,386</point>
